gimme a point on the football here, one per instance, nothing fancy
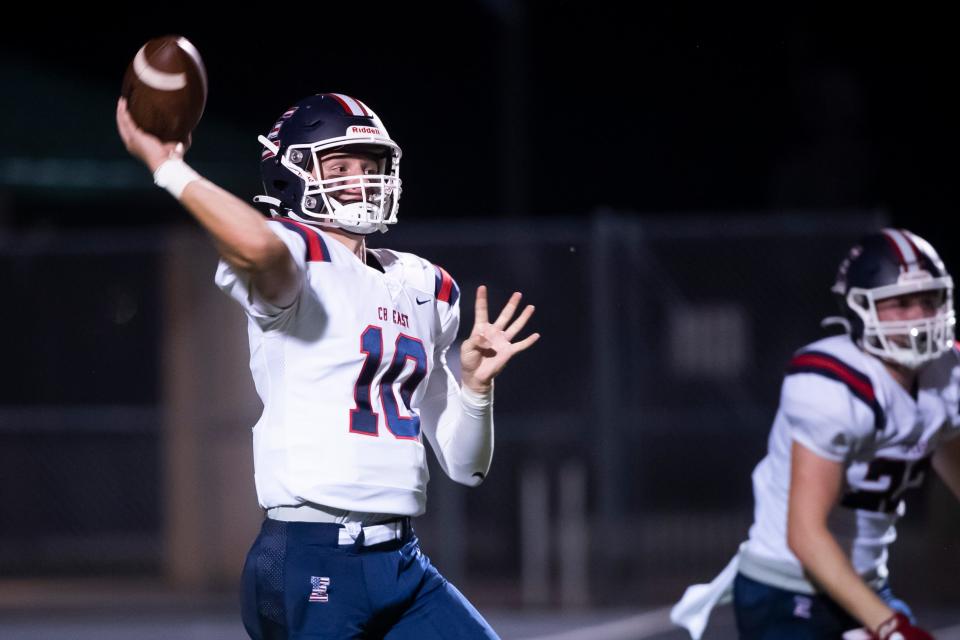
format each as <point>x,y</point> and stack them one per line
<point>166,88</point>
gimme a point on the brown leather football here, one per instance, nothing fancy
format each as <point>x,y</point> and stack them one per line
<point>166,88</point>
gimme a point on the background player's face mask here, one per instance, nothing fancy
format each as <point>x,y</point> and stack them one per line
<point>905,336</point>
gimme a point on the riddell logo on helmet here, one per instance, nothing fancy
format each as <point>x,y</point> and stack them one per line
<point>364,131</point>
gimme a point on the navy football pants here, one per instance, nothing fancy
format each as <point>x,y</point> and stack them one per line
<point>768,613</point>
<point>299,583</point>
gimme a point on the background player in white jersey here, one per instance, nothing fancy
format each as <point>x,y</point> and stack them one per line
<point>861,417</point>
<point>348,352</point>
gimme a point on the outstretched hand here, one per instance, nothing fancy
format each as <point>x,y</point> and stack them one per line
<point>146,147</point>
<point>490,346</point>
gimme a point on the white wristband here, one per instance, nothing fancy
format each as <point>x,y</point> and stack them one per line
<point>174,175</point>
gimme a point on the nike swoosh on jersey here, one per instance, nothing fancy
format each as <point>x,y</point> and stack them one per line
<point>419,301</point>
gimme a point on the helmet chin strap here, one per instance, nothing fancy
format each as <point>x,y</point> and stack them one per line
<point>351,216</point>
<point>360,227</point>
<point>363,230</point>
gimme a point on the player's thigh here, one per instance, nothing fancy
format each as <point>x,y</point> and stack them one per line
<point>262,603</point>
<point>767,613</point>
<point>325,594</point>
<point>440,612</point>
<point>299,584</point>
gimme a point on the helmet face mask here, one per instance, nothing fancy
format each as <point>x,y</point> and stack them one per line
<point>308,131</point>
<point>910,343</point>
<point>322,197</point>
<point>890,264</point>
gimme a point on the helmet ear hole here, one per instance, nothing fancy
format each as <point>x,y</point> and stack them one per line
<point>280,185</point>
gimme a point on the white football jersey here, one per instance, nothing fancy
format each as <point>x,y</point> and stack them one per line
<point>843,405</point>
<point>342,373</point>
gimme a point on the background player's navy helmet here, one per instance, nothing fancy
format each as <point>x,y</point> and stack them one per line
<point>290,165</point>
<point>895,262</point>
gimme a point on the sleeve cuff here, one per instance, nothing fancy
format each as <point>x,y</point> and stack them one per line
<point>471,398</point>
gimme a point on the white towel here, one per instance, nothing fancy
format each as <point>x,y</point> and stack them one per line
<point>693,610</point>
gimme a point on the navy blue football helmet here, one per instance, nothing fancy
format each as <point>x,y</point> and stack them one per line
<point>889,263</point>
<point>291,169</point>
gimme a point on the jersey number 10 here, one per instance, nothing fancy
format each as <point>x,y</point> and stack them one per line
<point>364,419</point>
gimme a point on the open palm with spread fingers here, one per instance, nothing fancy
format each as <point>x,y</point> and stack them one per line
<point>490,346</point>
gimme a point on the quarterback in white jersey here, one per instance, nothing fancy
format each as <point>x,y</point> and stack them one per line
<point>860,419</point>
<point>348,351</point>
<point>350,375</point>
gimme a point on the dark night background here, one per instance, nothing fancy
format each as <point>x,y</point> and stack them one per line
<point>706,167</point>
<point>557,108</point>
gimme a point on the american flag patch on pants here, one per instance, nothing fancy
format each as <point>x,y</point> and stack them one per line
<point>318,590</point>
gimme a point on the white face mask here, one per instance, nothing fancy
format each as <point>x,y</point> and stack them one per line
<point>376,207</point>
<point>910,343</point>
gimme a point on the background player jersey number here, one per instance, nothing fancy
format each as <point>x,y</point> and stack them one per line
<point>364,419</point>
<point>903,475</point>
